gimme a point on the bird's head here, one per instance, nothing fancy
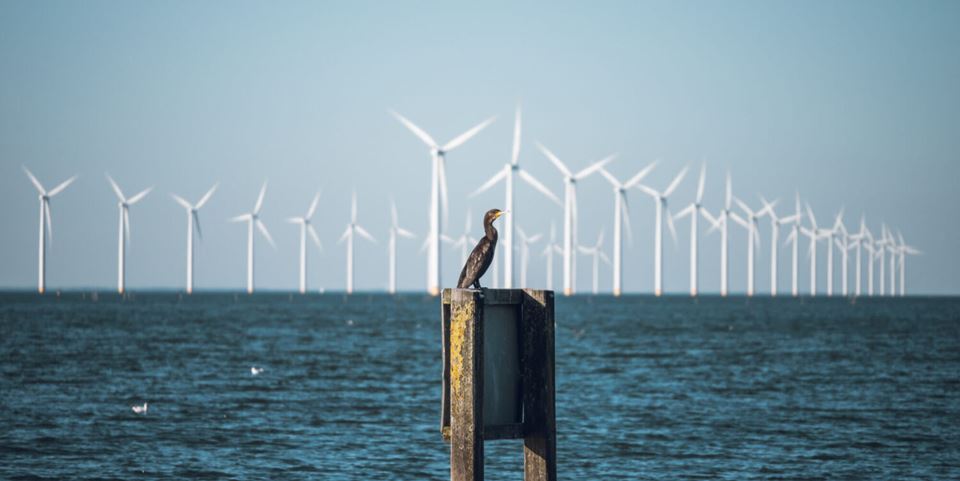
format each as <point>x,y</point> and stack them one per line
<point>492,215</point>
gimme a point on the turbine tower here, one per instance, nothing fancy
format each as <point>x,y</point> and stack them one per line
<point>775,224</point>
<point>722,222</point>
<point>253,218</point>
<point>306,227</point>
<point>438,192</point>
<point>695,210</point>
<point>829,235</point>
<point>660,198</point>
<point>46,225</point>
<point>904,249</point>
<point>570,213</point>
<point>621,216</point>
<point>548,252</point>
<point>395,230</point>
<point>880,246</point>
<point>858,241</point>
<point>596,251</point>
<point>842,241</point>
<point>752,224</point>
<point>507,174</point>
<point>525,242</point>
<point>352,229</point>
<point>193,220</point>
<point>814,233</point>
<point>124,235</point>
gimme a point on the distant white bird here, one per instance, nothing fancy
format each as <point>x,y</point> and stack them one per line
<point>254,370</point>
<point>140,409</point>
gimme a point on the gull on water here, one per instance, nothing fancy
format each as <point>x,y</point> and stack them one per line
<point>140,409</point>
<point>254,370</point>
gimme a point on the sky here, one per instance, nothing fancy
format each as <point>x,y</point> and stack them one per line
<point>854,105</point>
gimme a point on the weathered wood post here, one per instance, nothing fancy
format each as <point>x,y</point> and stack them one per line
<point>498,378</point>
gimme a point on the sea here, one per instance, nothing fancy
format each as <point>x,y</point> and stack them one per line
<point>647,388</point>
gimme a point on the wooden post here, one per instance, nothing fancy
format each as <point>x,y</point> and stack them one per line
<point>540,425</point>
<point>521,381</point>
<point>466,386</point>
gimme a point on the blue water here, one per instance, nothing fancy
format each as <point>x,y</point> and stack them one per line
<point>647,388</point>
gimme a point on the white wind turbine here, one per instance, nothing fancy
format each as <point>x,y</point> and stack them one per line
<point>794,240</point>
<point>570,213</point>
<point>775,223</point>
<point>695,210</point>
<point>868,244</point>
<point>438,192</point>
<point>352,229</point>
<point>661,205</point>
<point>722,222</point>
<point>752,224</point>
<point>892,247</point>
<point>596,251</point>
<point>124,235</point>
<point>193,220</point>
<point>548,251</point>
<point>842,241</point>
<point>880,248</point>
<point>829,235</point>
<point>903,249</point>
<point>306,226</point>
<point>395,230</point>
<point>815,234</point>
<point>621,217</point>
<point>858,241</point>
<point>46,226</point>
<point>253,218</point>
<point>506,174</point>
<point>525,242</point>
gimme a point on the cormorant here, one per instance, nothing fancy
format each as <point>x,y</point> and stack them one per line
<point>482,255</point>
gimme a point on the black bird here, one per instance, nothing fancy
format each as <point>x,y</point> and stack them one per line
<point>482,255</point>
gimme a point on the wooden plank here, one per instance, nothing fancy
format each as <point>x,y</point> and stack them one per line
<point>445,376</point>
<point>540,441</point>
<point>466,385</point>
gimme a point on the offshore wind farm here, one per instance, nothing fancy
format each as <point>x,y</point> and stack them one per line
<point>714,240</point>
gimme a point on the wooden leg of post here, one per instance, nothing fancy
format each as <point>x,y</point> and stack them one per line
<point>466,386</point>
<point>539,404</point>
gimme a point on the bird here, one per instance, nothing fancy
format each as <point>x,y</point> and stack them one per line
<point>140,409</point>
<point>482,255</point>
<point>254,370</point>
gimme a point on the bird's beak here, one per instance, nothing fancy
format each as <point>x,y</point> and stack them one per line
<point>502,212</point>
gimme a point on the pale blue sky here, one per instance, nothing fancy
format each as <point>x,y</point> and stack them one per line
<point>855,104</point>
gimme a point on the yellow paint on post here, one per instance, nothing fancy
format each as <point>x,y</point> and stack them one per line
<point>462,314</point>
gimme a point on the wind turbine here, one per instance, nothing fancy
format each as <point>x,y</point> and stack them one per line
<point>829,235</point>
<point>722,222</point>
<point>548,252</point>
<point>621,216</point>
<point>352,229</point>
<point>306,227</point>
<point>525,242</point>
<point>752,224</point>
<point>506,174</point>
<point>253,218</point>
<point>395,230</point>
<point>661,201</point>
<point>775,223</point>
<point>794,239</point>
<point>868,244</point>
<point>858,241</point>
<point>695,210</point>
<point>570,213</point>
<point>880,246</point>
<point>596,251</point>
<point>193,220</point>
<point>46,226</point>
<point>814,233</point>
<point>892,247</point>
<point>903,250</point>
<point>438,192</point>
<point>124,236</point>
<point>842,241</point>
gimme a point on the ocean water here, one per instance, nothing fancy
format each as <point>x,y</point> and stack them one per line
<point>647,388</point>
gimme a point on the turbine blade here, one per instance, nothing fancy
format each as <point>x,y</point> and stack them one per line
<point>314,236</point>
<point>405,233</point>
<point>259,204</point>
<point>739,220</point>
<point>126,224</point>
<point>206,197</point>
<point>702,182</point>
<point>640,175</point>
<point>515,154</point>
<point>263,230</point>
<point>139,196</point>
<point>423,136</point>
<point>353,208</point>
<point>181,201</point>
<point>345,235</point>
<point>363,233</point>
<point>813,220</point>
<point>729,194</point>
<point>46,208</point>
<point>313,206</point>
<point>536,184</point>
<point>604,258</point>
<point>393,213</point>
<point>676,182</point>
<point>649,191</point>
<point>706,215</point>
<point>688,210</point>
<point>556,161</point>
<point>790,237</point>
<point>36,183</point>
<point>626,217</point>
<point>116,188</point>
<point>670,226</point>
<point>240,218</point>
<point>500,175</point>
<point>444,201</point>
<point>56,190</point>
<point>534,239</point>
<point>610,178</point>
<point>460,139</point>
<point>196,222</point>
<point>744,207</point>
<point>594,167</point>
